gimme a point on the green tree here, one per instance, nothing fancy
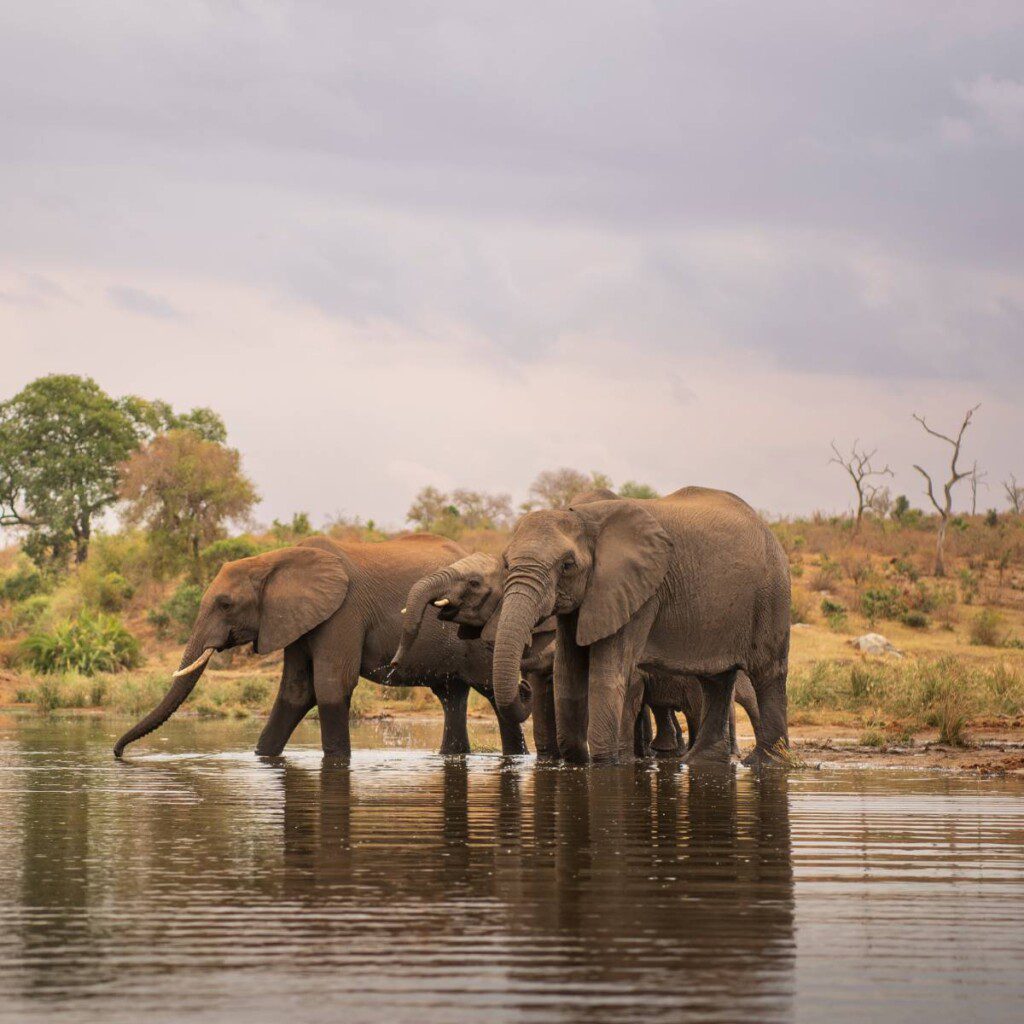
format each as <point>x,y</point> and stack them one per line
<point>555,488</point>
<point>632,489</point>
<point>62,439</point>
<point>184,490</point>
<point>153,417</point>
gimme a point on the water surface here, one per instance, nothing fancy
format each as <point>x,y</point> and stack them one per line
<point>195,882</point>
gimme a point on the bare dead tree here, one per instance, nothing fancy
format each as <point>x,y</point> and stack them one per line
<point>977,479</point>
<point>858,467</point>
<point>1014,495</point>
<point>955,476</point>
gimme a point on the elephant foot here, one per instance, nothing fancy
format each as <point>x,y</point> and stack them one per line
<point>268,750</point>
<point>779,756</point>
<point>667,752</point>
<point>455,749</point>
<point>716,754</point>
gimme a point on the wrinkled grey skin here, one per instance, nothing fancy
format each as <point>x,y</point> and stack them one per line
<point>692,584</point>
<point>336,611</point>
<point>471,591</point>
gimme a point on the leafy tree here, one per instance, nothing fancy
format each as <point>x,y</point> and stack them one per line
<point>450,514</point>
<point>184,490</point>
<point>158,417</point>
<point>62,439</point>
<point>555,488</point>
<point>632,489</point>
<point>288,533</point>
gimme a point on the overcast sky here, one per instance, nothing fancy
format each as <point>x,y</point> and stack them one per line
<point>396,244</point>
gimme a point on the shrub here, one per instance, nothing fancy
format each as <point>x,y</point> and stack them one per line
<point>915,620</point>
<point>826,576</point>
<point>986,629</point>
<point>969,586</point>
<point>882,603</point>
<point>26,581</point>
<point>872,739</point>
<point>109,592</point>
<point>214,555</point>
<point>87,645</point>
<point>254,692</point>
<point>835,614</point>
<point>175,616</point>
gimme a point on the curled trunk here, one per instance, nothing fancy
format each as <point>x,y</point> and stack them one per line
<point>428,589</point>
<point>515,630</point>
<point>194,660</point>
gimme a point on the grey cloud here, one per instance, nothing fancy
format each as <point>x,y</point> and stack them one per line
<point>135,300</point>
<point>531,173</point>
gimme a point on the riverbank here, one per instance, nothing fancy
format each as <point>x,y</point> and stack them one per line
<point>941,702</point>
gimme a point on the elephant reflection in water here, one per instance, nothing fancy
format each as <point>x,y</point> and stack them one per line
<point>675,885</point>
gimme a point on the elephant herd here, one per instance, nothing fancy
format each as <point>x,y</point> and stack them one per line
<point>592,619</point>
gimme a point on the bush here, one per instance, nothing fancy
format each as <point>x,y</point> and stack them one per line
<point>26,581</point>
<point>87,645</point>
<point>109,592</point>
<point>835,614</point>
<point>915,620</point>
<point>214,555</point>
<point>826,576</point>
<point>175,616</point>
<point>986,629</point>
<point>882,603</point>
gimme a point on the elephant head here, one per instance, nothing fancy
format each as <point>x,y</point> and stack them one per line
<point>467,592</point>
<point>602,559</point>
<point>267,600</point>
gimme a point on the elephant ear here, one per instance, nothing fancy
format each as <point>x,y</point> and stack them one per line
<point>298,589</point>
<point>631,558</point>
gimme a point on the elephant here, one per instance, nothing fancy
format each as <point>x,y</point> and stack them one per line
<point>336,610</point>
<point>469,592</point>
<point>692,584</point>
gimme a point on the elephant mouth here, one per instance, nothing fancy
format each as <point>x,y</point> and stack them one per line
<point>448,612</point>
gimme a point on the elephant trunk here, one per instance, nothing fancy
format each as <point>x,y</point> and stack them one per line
<point>428,589</point>
<point>519,613</point>
<point>193,662</point>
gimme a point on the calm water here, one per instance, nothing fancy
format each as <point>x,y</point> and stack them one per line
<point>195,883</point>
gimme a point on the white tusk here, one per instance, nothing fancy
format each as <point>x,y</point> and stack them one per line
<point>441,602</point>
<point>404,610</point>
<point>198,663</point>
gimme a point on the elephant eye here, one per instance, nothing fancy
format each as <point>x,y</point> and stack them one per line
<point>568,564</point>
<point>223,601</point>
<point>474,584</point>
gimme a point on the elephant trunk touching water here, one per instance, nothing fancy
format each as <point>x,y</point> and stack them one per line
<point>334,609</point>
<point>193,664</point>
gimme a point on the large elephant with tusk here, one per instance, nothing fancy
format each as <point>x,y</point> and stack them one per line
<point>336,611</point>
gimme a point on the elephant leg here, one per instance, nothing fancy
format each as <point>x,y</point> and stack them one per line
<point>692,728</point>
<point>734,747</point>
<point>747,699</point>
<point>295,698</point>
<point>678,730</point>
<point>713,745</point>
<point>333,684</point>
<point>545,730</point>
<point>772,729</point>
<point>570,685</point>
<point>513,742</point>
<point>454,696</point>
<point>643,733</point>
<point>667,739</point>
